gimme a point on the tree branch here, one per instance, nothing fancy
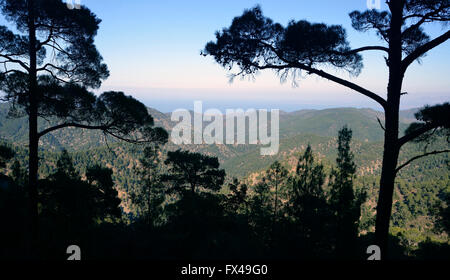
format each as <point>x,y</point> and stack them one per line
<point>323,74</point>
<point>63,125</point>
<point>381,125</point>
<point>49,38</point>
<point>413,135</point>
<point>12,60</point>
<point>345,83</point>
<point>418,157</point>
<point>430,16</point>
<point>65,71</point>
<point>54,76</point>
<point>327,76</point>
<point>423,49</point>
<point>103,128</point>
<point>136,141</point>
<point>368,48</point>
<point>56,46</point>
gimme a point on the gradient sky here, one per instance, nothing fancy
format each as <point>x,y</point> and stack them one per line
<point>152,49</point>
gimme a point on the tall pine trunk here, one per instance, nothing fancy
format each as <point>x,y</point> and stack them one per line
<point>384,206</point>
<point>33,131</point>
<point>391,147</point>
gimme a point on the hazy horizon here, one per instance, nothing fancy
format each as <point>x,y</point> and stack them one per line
<point>161,100</point>
<point>160,106</point>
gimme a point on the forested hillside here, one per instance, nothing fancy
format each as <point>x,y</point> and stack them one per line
<point>317,122</point>
<point>419,186</point>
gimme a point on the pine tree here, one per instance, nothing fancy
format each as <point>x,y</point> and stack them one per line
<point>56,87</point>
<point>193,172</point>
<point>345,203</point>
<point>253,43</point>
<point>308,208</point>
<point>150,194</point>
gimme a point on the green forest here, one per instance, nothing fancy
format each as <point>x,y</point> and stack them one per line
<point>149,196</point>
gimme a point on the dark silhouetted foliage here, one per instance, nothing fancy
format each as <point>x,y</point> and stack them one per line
<point>193,172</point>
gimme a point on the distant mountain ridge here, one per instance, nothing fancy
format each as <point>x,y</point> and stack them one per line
<point>324,122</point>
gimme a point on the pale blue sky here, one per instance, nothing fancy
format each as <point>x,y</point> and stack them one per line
<point>152,49</point>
